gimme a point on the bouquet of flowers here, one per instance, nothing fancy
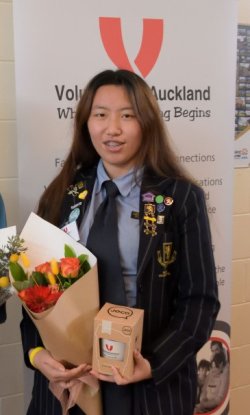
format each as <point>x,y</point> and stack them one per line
<point>41,288</point>
<point>58,287</point>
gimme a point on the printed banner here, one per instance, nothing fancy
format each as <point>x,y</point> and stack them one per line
<point>188,58</point>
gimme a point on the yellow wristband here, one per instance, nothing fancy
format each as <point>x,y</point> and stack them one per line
<point>33,353</point>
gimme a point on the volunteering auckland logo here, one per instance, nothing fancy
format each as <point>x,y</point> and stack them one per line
<point>149,50</point>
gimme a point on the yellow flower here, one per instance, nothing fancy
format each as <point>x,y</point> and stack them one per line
<point>25,260</point>
<point>51,278</point>
<point>4,282</point>
<point>14,257</point>
<point>54,266</point>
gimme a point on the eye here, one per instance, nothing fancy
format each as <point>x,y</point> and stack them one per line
<point>128,115</point>
<point>99,114</point>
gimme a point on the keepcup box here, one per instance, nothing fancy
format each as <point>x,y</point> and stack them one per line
<point>117,333</point>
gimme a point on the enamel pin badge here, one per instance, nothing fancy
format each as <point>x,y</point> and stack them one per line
<point>154,211</point>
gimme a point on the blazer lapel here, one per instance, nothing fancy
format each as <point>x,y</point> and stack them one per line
<point>77,197</point>
<point>152,216</point>
<point>89,180</point>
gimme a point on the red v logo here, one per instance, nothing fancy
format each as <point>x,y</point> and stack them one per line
<point>109,347</point>
<point>111,34</point>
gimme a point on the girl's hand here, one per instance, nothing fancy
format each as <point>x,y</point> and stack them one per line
<point>56,372</point>
<point>142,371</point>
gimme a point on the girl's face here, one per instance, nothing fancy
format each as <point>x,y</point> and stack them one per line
<point>114,129</point>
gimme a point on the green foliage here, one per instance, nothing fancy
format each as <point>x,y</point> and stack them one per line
<point>38,278</point>
<point>17,272</point>
<point>14,246</point>
<point>69,252</point>
<point>22,285</point>
<point>85,267</point>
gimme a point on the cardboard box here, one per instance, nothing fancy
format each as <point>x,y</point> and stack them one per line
<point>117,333</point>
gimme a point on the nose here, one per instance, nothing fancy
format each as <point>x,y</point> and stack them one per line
<point>114,125</point>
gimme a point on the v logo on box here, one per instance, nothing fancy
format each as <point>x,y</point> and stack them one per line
<point>109,347</point>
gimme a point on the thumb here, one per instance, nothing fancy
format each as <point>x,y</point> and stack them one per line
<point>137,355</point>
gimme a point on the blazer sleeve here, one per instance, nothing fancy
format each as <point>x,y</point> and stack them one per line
<point>197,304</point>
<point>2,313</point>
<point>3,224</point>
<point>30,337</point>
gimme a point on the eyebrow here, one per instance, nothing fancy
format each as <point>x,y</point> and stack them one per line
<point>106,108</point>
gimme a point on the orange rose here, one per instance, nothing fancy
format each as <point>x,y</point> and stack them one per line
<point>70,267</point>
<point>43,268</point>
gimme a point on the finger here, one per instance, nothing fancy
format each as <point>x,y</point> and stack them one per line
<point>63,385</point>
<point>74,373</point>
<point>66,385</point>
<point>71,383</point>
<point>87,368</point>
<point>101,376</point>
<point>137,355</point>
<point>118,378</point>
<point>79,369</point>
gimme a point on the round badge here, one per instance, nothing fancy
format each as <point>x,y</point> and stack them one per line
<point>74,215</point>
<point>159,199</point>
<point>168,201</point>
<point>161,207</point>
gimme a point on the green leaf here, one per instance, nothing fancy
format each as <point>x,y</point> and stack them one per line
<point>69,252</point>
<point>22,285</point>
<point>67,284</point>
<point>83,258</point>
<point>85,267</point>
<point>17,272</point>
<point>38,278</point>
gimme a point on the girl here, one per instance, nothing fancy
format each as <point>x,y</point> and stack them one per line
<point>164,243</point>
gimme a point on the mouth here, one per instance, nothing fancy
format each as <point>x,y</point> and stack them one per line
<point>113,144</point>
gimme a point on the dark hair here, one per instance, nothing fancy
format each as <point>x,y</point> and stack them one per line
<point>216,343</point>
<point>155,153</point>
<point>203,363</point>
<point>219,358</point>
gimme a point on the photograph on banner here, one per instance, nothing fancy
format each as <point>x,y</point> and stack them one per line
<point>213,373</point>
<point>242,109</point>
<point>190,66</point>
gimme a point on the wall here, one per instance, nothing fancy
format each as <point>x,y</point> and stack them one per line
<point>11,364</point>
<point>11,375</point>
<point>240,356</point>
<point>8,145</point>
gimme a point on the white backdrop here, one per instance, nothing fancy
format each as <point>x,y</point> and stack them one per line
<point>186,51</point>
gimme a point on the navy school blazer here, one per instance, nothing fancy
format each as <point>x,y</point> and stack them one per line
<point>176,287</point>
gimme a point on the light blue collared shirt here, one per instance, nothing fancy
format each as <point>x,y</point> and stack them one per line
<point>128,227</point>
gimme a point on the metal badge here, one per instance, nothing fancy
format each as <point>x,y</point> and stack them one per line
<point>166,257</point>
<point>149,219</point>
<point>160,219</point>
<point>134,215</point>
<point>74,189</point>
